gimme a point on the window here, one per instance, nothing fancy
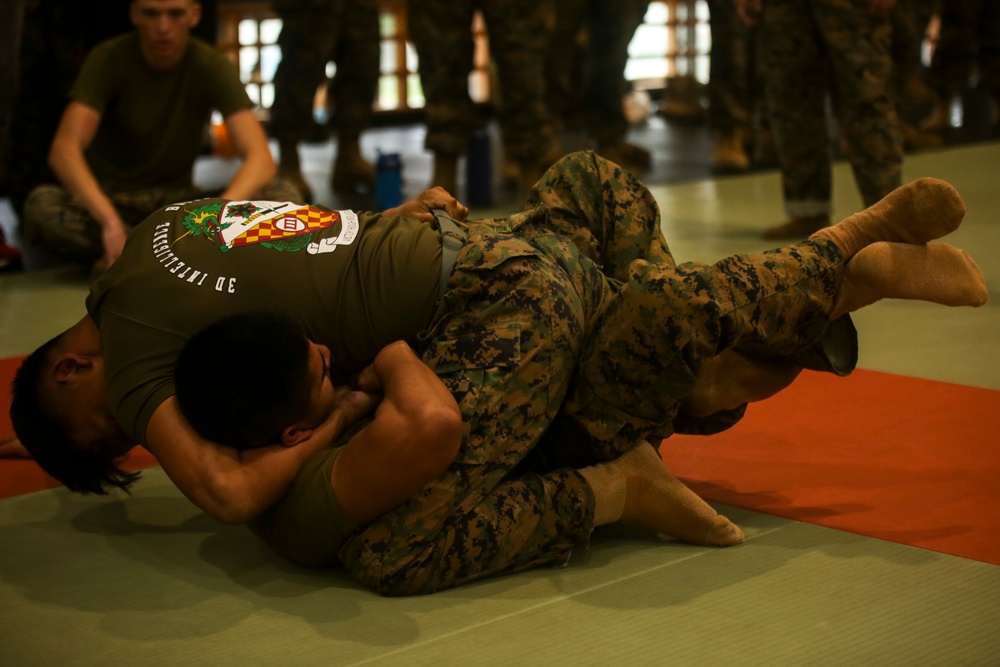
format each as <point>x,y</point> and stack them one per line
<point>674,39</point>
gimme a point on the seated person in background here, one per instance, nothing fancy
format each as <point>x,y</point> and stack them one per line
<point>129,137</point>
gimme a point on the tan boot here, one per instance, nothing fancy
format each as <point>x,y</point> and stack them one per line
<point>290,170</point>
<point>632,157</point>
<point>915,140</point>
<point>351,172</point>
<point>729,153</point>
<point>939,120</point>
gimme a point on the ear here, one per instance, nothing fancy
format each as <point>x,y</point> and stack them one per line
<point>295,434</point>
<point>133,13</point>
<point>69,365</point>
<point>195,15</point>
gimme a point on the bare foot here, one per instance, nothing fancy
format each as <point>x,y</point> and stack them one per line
<point>654,498</point>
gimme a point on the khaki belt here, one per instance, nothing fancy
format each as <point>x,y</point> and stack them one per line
<point>453,236</point>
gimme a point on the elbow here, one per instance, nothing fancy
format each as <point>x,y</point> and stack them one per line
<point>442,427</point>
<point>219,500</point>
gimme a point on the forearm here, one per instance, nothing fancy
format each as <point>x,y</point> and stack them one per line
<point>415,435</point>
<point>74,174</point>
<point>229,485</point>
<point>256,172</point>
<point>410,388</point>
<point>258,168</point>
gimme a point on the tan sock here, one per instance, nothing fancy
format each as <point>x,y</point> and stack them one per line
<point>936,272</point>
<point>916,213</point>
<point>730,379</point>
<point>656,499</point>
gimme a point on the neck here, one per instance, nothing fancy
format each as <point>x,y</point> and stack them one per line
<point>84,337</point>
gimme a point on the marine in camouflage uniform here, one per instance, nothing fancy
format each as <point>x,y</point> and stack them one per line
<point>599,96</point>
<point>536,343</point>
<point>812,48</point>
<point>440,30</point>
<point>313,33</point>
<point>969,41</point>
<point>66,229</point>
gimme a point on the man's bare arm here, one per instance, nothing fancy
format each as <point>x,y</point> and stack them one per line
<point>415,435</point>
<point>250,142</point>
<point>230,485</point>
<point>66,157</point>
<point>422,206</point>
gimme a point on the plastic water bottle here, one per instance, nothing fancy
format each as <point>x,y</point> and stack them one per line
<point>388,181</point>
<point>479,170</point>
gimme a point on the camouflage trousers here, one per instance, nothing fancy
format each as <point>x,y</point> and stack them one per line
<point>313,33</point>
<point>440,30</point>
<point>57,224</point>
<point>813,49</point>
<point>533,335</point>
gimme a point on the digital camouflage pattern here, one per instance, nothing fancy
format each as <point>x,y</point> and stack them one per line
<point>440,31</point>
<point>313,33</point>
<point>533,335</point>
<point>812,48</point>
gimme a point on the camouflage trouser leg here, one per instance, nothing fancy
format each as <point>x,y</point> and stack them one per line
<point>440,30</point>
<point>612,26</point>
<point>309,33</point>
<point>357,56</point>
<point>645,351</point>
<point>56,223</point>
<point>816,47</point>
<point>607,212</point>
<point>729,83</point>
<point>510,328</point>
<point>518,39</point>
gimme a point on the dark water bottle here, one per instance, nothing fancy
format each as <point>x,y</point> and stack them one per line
<point>479,170</point>
<point>388,181</point>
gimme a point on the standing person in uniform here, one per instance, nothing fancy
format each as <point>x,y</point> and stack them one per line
<point>819,49</point>
<point>313,33</point>
<point>599,96</point>
<point>969,42</point>
<point>127,142</point>
<point>441,31</point>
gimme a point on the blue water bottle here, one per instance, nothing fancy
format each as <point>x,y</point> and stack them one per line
<point>479,170</point>
<point>388,181</point>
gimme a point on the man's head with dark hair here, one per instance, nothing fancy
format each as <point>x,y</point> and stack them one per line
<point>244,379</point>
<point>43,427</point>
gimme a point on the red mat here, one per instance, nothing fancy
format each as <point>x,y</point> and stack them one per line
<point>19,476</point>
<point>897,458</point>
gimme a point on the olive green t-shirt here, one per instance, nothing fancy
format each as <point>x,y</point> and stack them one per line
<point>356,282</point>
<point>153,123</point>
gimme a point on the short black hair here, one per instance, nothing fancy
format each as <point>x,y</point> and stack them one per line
<point>244,378</point>
<point>44,436</point>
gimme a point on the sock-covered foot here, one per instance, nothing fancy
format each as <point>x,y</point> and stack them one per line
<point>916,213</point>
<point>637,487</point>
<point>730,379</point>
<point>936,272</point>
